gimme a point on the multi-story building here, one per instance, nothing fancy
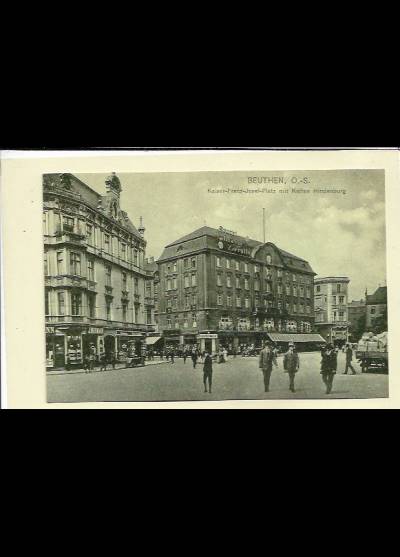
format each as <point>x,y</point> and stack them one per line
<point>356,312</point>
<point>376,306</point>
<point>217,288</point>
<point>94,266</point>
<point>330,301</point>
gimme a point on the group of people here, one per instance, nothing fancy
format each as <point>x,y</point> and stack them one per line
<point>91,361</point>
<point>291,364</point>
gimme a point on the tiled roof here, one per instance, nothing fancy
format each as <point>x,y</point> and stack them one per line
<point>208,231</point>
<point>287,337</point>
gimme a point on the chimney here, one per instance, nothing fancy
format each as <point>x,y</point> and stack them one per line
<point>141,228</point>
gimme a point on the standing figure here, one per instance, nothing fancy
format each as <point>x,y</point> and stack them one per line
<point>267,358</point>
<point>172,355</point>
<point>225,352</point>
<point>184,356</point>
<point>103,362</point>
<point>291,365</point>
<point>194,358</point>
<point>111,358</point>
<point>328,367</point>
<point>349,357</point>
<point>207,372</point>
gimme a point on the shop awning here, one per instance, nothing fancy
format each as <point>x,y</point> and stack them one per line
<point>287,337</point>
<point>152,340</point>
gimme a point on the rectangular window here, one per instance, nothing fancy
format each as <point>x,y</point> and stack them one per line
<point>334,300</point>
<point>193,262</point>
<point>136,286</point>
<point>76,304</point>
<point>341,299</point>
<point>123,251</point>
<point>294,278</point>
<point>237,282</point>
<point>256,268</point>
<point>169,302</point>
<point>228,263</point>
<point>238,302</point>
<point>279,273</point>
<point>46,264</point>
<point>169,284</point>
<point>237,265</point>
<point>247,302</point>
<point>108,275</point>
<point>218,261</point>
<point>294,308</point>
<point>92,305</point>
<point>246,284</point>
<point>228,281</point>
<point>45,223</point>
<point>288,289</point>
<point>194,281</point>
<point>61,303</point>
<point>107,243</point>
<point>185,263</point>
<point>279,289</point>
<point>46,302</point>
<point>219,279</point>
<point>75,263</point>
<point>135,257</point>
<point>187,284</point>
<point>108,309</point>
<point>301,291</point>
<point>124,287</point>
<point>90,269</point>
<point>194,320</point>
<point>68,224</point>
<point>175,303</point>
<point>89,234</point>
<point>229,301</point>
<point>219,299</point>
<point>194,299</point>
<point>257,284</point>
<point>174,267</point>
<point>187,301</point>
<point>60,263</point>
<point>174,283</point>
<point>148,317</point>
<point>169,323</point>
<point>339,288</point>
<point>246,268</point>
<point>308,292</point>
<point>318,288</point>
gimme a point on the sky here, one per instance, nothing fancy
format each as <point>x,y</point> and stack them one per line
<point>338,234</point>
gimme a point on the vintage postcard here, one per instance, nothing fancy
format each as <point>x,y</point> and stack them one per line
<point>213,285</point>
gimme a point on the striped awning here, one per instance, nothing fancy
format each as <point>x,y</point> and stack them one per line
<point>152,340</point>
<point>287,337</point>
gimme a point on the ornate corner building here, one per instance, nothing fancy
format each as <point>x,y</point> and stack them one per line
<point>215,288</point>
<point>95,278</point>
<point>331,308</point>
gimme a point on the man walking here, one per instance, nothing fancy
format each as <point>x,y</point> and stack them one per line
<point>328,367</point>
<point>207,372</point>
<point>172,355</point>
<point>194,358</point>
<point>267,358</point>
<point>349,357</point>
<point>291,364</point>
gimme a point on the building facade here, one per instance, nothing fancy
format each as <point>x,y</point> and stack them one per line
<point>376,306</point>
<point>216,288</point>
<point>95,277</point>
<point>330,301</point>
<point>356,312</point>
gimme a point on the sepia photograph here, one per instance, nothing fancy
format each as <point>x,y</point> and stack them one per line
<point>215,285</point>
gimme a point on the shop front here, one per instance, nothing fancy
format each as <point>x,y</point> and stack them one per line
<point>208,341</point>
<point>306,342</point>
<point>172,339</point>
<point>55,348</point>
<point>130,344</point>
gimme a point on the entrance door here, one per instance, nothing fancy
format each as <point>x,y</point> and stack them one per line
<point>59,351</point>
<point>109,345</point>
<point>208,345</point>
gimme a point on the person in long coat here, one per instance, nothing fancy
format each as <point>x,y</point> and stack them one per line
<point>194,358</point>
<point>291,365</point>
<point>266,360</point>
<point>207,372</point>
<point>328,367</point>
<point>349,357</point>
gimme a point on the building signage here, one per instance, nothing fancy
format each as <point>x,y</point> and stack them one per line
<point>49,330</point>
<point>95,331</point>
<point>227,241</point>
<point>207,335</point>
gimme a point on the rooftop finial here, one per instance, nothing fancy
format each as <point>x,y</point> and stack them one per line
<point>113,183</point>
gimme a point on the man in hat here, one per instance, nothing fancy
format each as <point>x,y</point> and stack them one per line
<point>349,357</point>
<point>267,358</point>
<point>291,364</point>
<point>328,367</point>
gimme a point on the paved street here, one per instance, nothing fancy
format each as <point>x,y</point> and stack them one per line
<point>239,378</point>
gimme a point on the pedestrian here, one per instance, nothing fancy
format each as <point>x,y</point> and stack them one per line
<point>207,372</point>
<point>184,356</point>
<point>225,352</point>
<point>291,365</point>
<point>172,355</point>
<point>194,358</point>
<point>328,367</point>
<point>349,357</point>
<point>86,362</point>
<point>111,358</point>
<point>103,362</point>
<point>266,360</point>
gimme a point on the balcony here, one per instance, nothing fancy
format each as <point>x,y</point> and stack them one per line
<point>149,301</point>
